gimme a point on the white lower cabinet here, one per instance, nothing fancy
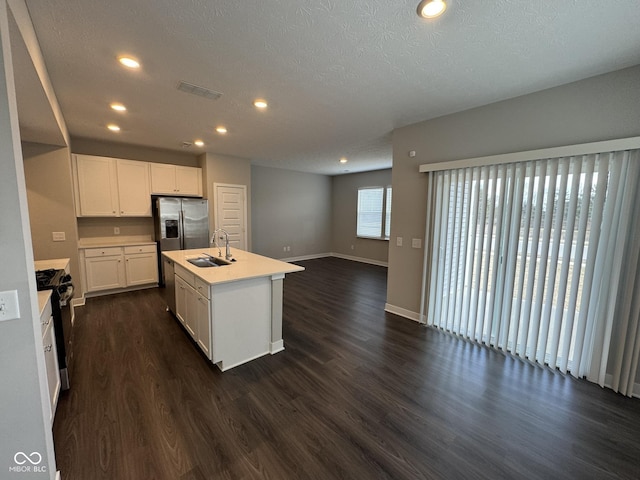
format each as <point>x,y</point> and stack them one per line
<point>113,268</point>
<point>181,299</point>
<point>204,324</point>
<point>104,269</point>
<point>193,309</point>
<point>141,264</point>
<point>50,358</point>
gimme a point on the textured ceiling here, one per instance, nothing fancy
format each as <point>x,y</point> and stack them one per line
<point>339,75</point>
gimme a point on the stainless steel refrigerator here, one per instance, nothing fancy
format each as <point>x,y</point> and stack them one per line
<point>180,224</point>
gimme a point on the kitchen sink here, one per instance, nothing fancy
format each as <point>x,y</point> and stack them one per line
<point>207,262</point>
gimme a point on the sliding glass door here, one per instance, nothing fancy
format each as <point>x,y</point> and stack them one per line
<point>523,255</point>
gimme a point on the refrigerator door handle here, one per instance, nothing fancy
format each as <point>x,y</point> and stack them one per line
<point>181,226</point>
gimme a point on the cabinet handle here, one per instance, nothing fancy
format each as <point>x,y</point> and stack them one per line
<point>114,211</point>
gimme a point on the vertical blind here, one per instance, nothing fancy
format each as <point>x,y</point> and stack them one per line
<point>527,257</point>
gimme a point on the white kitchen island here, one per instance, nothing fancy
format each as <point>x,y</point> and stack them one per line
<point>233,312</point>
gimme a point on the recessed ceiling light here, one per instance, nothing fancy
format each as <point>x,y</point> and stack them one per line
<point>118,107</point>
<point>343,160</point>
<point>198,143</point>
<point>221,129</point>
<point>259,103</point>
<point>113,127</point>
<point>129,62</point>
<point>431,8</point>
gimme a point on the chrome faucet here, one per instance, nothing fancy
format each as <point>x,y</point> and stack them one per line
<point>214,242</point>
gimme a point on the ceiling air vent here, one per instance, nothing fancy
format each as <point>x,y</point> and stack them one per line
<point>200,91</point>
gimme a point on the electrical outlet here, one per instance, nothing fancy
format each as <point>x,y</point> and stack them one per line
<point>58,236</point>
<point>288,248</point>
<point>352,247</point>
<point>9,309</point>
<point>416,243</point>
<point>116,230</point>
<point>398,241</point>
<point>284,249</point>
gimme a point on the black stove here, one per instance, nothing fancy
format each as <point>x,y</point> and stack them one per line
<point>49,279</point>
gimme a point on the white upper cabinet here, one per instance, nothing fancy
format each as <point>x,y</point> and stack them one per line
<point>176,180</point>
<point>113,187</point>
<point>97,187</point>
<point>110,187</point>
<point>134,193</point>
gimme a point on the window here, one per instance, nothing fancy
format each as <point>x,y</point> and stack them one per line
<point>374,212</point>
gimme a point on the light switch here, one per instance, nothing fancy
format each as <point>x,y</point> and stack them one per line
<point>9,309</point>
<point>398,241</point>
<point>416,243</point>
<point>59,236</point>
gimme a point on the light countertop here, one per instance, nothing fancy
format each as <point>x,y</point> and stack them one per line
<point>124,241</point>
<point>56,264</point>
<point>43,298</point>
<point>247,265</point>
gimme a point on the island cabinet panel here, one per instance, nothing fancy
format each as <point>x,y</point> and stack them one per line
<point>203,315</point>
<point>191,312</point>
<point>241,320</point>
<point>192,308</point>
<point>181,299</point>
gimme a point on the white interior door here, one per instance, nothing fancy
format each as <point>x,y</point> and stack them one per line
<point>231,212</point>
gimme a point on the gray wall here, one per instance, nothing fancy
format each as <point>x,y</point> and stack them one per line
<point>344,217</point>
<point>24,423</point>
<point>51,209</point>
<point>600,108</point>
<point>290,209</point>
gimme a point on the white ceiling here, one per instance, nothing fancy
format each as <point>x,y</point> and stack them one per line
<point>339,75</point>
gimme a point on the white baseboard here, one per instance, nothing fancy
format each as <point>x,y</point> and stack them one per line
<point>102,293</point>
<point>360,259</point>
<point>403,312</point>
<point>78,302</point>
<point>337,255</point>
<point>276,347</point>
<point>305,257</point>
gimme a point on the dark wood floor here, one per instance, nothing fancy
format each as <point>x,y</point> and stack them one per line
<point>358,393</point>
